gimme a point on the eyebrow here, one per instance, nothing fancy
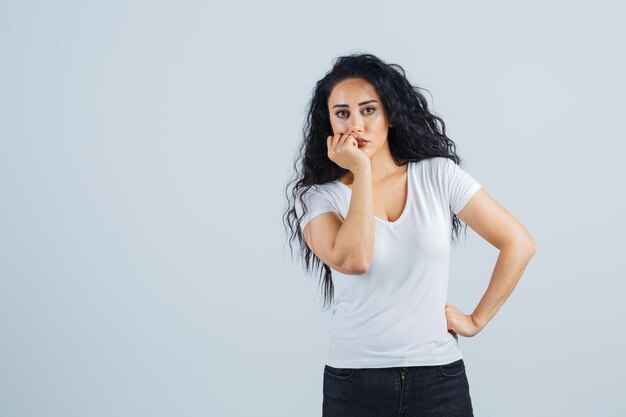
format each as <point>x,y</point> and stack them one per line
<point>360,104</point>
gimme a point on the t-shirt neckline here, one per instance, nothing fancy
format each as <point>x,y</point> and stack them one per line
<point>407,205</point>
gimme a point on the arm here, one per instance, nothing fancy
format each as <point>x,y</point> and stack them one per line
<point>346,244</point>
<point>500,228</point>
<point>355,240</point>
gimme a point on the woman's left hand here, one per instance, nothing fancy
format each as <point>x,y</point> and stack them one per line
<point>460,323</point>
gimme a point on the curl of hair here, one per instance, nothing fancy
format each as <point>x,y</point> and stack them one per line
<point>416,134</point>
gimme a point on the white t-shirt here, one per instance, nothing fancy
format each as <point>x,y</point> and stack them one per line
<point>394,315</point>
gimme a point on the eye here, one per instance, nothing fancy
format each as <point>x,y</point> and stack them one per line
<point>367,108</point>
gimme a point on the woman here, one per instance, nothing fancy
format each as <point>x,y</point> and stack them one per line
<point>379,201</point>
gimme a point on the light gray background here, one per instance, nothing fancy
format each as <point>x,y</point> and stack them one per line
<point>144,151</point>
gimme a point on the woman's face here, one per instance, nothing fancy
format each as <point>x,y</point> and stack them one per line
<point>355,107</point>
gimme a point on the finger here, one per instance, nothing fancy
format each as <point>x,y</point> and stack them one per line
<point>336,138</point>
<point>340,141</point>
<point>330,140</point>
<point>345,138</point>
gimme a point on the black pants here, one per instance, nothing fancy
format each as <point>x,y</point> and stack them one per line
<point>412,391</point>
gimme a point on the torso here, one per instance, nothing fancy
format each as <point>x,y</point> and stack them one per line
<point>390,194</point>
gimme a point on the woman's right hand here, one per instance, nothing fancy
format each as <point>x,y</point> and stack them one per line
<point>343,149</point>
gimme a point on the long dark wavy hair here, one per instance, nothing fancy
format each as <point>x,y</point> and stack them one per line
<point>416,134</point>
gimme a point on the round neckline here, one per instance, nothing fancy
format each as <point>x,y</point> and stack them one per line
<point>409,197</point>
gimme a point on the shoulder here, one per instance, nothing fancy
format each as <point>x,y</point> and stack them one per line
<point>318,199</point>
<point>434,164</point>
<point>321,188</point>
<point>316,191</point>
<point>439,161</point>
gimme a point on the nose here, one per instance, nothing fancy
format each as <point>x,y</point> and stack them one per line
<point>355,124</point>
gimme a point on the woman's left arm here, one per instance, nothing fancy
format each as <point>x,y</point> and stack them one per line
<point>496,225</point>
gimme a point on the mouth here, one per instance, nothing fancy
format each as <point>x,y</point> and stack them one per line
<point>362,142</point>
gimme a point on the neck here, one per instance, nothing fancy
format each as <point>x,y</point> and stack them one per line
<point>383,165</point>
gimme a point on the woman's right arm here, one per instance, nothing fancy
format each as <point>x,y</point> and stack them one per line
<point>347,245</point>
<point>355,239</point>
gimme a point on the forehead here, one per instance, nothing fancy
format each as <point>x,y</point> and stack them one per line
<point>352,91</point>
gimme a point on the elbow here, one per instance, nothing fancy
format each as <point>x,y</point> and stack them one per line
<point>357,262</point>
<point>532,247</point>
<point>526,246</point>
<point>358,267</point>
<point>360,270</point>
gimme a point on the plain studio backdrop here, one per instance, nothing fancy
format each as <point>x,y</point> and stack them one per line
<point>144,152</point>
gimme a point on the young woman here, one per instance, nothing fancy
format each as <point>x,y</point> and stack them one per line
<point>378,203</point>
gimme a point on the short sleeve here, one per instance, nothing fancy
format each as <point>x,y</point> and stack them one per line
<point>459,185</point>
<point>317,202</point>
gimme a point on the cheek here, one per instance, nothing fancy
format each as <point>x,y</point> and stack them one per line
<point>379,120</point>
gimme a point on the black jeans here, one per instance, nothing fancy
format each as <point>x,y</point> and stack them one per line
<point>412,391</point>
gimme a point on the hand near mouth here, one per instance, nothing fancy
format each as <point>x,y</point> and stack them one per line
<point>343,149</point>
